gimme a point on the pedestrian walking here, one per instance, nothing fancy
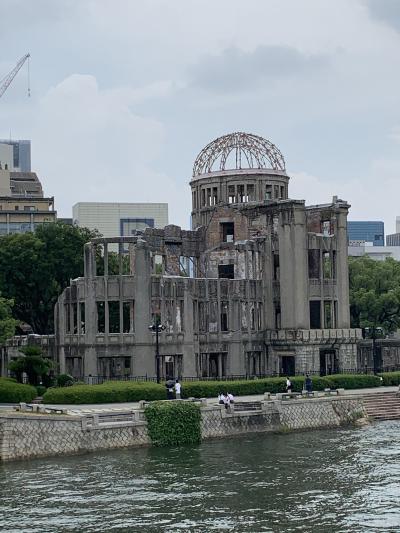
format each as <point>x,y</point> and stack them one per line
<point>170,389</point>
<point>308,383</point>
<point>288,385</point>
<point>178,390</point>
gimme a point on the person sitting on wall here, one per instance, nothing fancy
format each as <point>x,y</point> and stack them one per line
<point>308,383</point>
<point>221,398</point>
<point>231,398</point>
<point>227,401</point>
<point>288,385</point>
<point>178,387</point>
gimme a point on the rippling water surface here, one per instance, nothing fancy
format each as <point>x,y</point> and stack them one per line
<point>344,480</point>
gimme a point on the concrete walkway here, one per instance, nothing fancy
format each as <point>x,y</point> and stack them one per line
<point>107,407</point>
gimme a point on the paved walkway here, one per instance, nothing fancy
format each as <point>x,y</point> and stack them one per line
<point>107,407</point>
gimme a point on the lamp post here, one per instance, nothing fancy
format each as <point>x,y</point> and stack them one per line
<point>157,328</point>
<point>374,333</point>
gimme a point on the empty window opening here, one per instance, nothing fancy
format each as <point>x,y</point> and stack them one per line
<point>328,322</point>
<point>327,265</point>
<point>250,193</point>
<point>276,192</point>
<point>276,267</point>
<point>315,314</point>
<point>314,270</point>
<point>224,316</point>
<point>326,227</point>
<point>213,317</point>
<point>244,320</point>
<point>215,196</point>
<point>67,319</point>
<point>226,271</point>
<point>282,193</point>
<point>113,317</point>
<point>268,192</point>
<point>240,193</point>
<point>75,317</point>
<point>82,316</point>
<point>259,316</point>
<point>252,317</point>
<point>228,231</point>
<point>203,317</point>
<point>158,264</point>
<point>203,198</point>
<point>127,316</point>
<point>179,316</point>
<point>101,322</point>
<point>277,317</point>
<point>209,197</point>
<point>155,312</point>
<point>231,194</point>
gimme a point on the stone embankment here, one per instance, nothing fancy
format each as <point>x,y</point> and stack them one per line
<point>24,436</point>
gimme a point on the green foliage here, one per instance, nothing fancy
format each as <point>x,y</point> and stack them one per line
<point>354,381</point>
<point>210,389</point>
<point>390,378</point>
<point>11,392</point>
<point>65,380</point>
<point>7,322</point>
<point>113,391</point>
<point>33,364</point>
<point>36,267</point>
<point>374,293</point>
<point>173,423</point>
<point>41,389</point>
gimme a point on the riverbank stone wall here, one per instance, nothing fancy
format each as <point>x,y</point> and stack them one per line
<point>25,436</point>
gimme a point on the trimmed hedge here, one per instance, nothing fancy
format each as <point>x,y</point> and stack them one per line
<point>113,391</point>
<point>354,381</point>
<point>132,391</point>
<point>173,423</point>
<point>12,392</point>
<point>390,378</point>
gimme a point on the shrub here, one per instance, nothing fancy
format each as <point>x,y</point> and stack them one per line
<point>113,391</point>
<point>354,381</point>
<point>41,389</point>
<point>65,380</point>
<point>173,423</point>
<point>390,378</point>
<point>12,392</point>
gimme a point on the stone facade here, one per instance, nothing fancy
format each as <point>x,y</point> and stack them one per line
<point>259,286</point>
<point>28,436</point>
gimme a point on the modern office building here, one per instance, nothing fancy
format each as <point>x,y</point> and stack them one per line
<point>258,286</point>
<point>393,239</point>
<point>368,231</point>
<point>119,219</point>
<point>379,253</point>
<point>23,205</point>
<point>21,154</point>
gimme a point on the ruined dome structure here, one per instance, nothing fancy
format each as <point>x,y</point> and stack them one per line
<point>248,150</point>
<point>238,168</point>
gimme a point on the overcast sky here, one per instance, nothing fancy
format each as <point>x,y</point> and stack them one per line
<point>125,93</point>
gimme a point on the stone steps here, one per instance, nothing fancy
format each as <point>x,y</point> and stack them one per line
<point>383,406</point>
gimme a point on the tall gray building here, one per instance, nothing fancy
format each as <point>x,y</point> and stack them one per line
<point>21,154</point>
<point>258,286</point>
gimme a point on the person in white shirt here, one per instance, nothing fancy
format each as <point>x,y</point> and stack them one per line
<point>231,398</point>
<point>288,385</point>
<point>178,390</point>
<point>221,398</point>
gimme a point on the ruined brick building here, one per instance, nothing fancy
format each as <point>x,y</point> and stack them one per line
<point>258,286</point>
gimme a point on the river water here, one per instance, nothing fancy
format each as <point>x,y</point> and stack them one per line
<point>342,480</point>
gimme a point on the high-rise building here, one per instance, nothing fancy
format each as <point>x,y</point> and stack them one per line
<point>21,154</point>
<point>119,219</point>
<point>23,205</point>
<point>368,231</point>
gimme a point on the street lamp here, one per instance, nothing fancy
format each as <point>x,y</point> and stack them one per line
<point>374,333</point>
<point>157,328</point>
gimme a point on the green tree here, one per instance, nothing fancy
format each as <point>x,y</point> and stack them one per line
<point>7,322</point>
<point>32,363</point>
<point>36,267</point>
<point>374,293</point>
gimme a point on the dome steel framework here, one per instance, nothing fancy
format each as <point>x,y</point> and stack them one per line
<point>250,151</point>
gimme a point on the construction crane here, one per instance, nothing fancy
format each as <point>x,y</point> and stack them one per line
<point>8,78</point>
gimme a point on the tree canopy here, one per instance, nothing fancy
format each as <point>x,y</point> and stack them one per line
<point>7,322</point>
<point>374,293</point>
<point>36,267</point>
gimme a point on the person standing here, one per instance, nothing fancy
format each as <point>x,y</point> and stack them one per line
<point>170,389</point>
<point>288,385</point>
<point>178,390</point>
<point>308,383</point>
